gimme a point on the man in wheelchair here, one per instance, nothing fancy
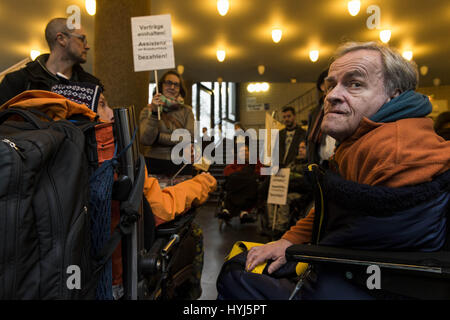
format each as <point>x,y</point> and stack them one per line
<point>240,189</point>
<point>387,188</point>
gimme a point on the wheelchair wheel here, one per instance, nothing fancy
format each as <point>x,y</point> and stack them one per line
<point>223,223</point>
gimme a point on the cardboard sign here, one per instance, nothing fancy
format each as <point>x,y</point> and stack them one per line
<point>270,124</point>
<point>152,43</point>
<point>279,185</point>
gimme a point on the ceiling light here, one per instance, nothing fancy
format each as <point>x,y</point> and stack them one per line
<point>221,55</point>
<point>314,55</point>
<point>34,54</point>
<point>276,35</point>
<point>258,87</point>
<point>223,6</point>
<point>261,69</point>
<point>180,69</point>
<point>91,7</point>
<point>385,36</point>
<point>423,70</point>
<point>408,55</point>
<point>353,7</point>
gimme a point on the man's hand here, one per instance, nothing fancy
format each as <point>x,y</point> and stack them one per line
<point>274,251</point>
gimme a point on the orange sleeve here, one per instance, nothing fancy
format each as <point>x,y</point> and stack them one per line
<point>302,231</point>
<point>166,204</point>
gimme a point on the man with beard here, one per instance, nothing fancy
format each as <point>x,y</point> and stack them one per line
<point>68,49</point>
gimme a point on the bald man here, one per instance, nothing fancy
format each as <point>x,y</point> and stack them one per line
<point>68,49</point>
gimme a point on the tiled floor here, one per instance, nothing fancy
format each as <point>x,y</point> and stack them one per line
<point>218,243</point>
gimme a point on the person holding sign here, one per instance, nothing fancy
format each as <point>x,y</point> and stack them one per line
<point>156,134</point>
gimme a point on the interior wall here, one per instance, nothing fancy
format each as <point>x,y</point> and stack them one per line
<point>278,95</point>
<point>440,98</point>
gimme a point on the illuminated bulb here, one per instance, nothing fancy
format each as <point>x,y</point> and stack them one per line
<point>91,7</point>
<point>353,7</point>
<point>34,54</point>
<point>223,6</point>
<point>385,36</point>
<point>251,88</point>
<point>293,80</point>
<point>261,69</point>
<point>436,82</point>
<point>276,35</point>
<point>408,55</point>
<point>314,55</point>
<point>220,55</point>
<point>423,70</point>
<point>180,69</point>
<point>219,80</point>
<point>264,86</point>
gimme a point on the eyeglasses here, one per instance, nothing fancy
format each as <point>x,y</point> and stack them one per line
<point>82,37</point>
<point>170,83</point>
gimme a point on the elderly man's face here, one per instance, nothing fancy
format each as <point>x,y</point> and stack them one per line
<point>354,89</point>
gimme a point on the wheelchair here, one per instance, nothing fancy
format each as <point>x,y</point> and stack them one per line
<point>403,274</point>
<point>238,193</point>
<point>300,200</point>
<point>158,261</point>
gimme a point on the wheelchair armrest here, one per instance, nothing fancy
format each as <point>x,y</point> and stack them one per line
<point>175,226</point>
<point>429,262</point>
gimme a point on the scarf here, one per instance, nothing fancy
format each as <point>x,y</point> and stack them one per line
<point>409,104</point>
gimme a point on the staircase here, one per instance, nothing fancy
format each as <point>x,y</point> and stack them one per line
<point>304,103</point>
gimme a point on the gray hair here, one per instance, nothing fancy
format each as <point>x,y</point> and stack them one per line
<point>399,73</point>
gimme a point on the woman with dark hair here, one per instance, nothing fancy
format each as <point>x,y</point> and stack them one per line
<point>156,131</point>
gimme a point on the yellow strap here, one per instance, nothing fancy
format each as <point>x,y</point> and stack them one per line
<point>241,246</point>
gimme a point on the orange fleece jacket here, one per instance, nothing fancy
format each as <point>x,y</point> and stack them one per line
<point>54,105</point>
<point>395,154</point>
<point>172,201</point>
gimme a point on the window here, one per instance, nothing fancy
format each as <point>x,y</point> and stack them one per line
<point>214,105</point>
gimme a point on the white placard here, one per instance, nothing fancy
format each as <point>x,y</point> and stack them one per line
<point>279,185</point>
<point>152,43</point>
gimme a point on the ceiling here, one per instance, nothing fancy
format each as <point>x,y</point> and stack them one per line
<point>245,33</point>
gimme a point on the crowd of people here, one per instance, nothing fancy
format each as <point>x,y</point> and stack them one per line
<point>370,127</point>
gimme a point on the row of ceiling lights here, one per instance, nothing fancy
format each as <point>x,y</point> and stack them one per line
<point>354,7</point>
<point>224,5</point>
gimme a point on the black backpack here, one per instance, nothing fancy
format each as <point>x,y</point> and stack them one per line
<point>44,199</point>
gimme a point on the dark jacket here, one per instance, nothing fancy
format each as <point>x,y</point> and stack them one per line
<point>293,150</point>
<point>382,218</point>
<point>35,76</point>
